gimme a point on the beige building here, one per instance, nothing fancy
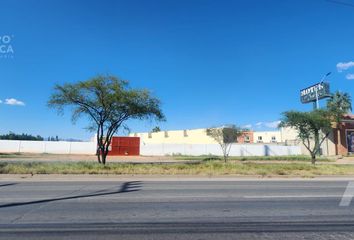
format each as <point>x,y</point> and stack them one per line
<point>284,136</point>
<point>188,136</point>
<point>199,136</point>
<point>267,137</point>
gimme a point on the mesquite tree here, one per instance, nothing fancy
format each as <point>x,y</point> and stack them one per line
<point>312,127</point>
<point>108,102</point>
<point>225,136</point>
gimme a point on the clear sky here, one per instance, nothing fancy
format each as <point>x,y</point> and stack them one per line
<point>209,61</point>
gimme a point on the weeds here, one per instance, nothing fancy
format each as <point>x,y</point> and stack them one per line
<point>207,168</point>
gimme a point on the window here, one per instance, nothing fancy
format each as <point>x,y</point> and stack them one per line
<point>247,139</point>
<point>185,134</point>
<point>260,139</point>
<point>274,139</point>
<point>166,134</point>
<point>149,135</point>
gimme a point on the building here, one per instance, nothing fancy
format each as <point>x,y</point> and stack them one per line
<point>246,137</point>
<point>267,137</point>
<point>344,138</point>
<point>187,136</point>
<point>199,136</point>
<point>282,137</point>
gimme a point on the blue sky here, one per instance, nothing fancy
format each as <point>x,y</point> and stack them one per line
<point>210,62</point>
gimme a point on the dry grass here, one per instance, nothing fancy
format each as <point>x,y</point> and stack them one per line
<point>216,168</point>
<point>252,158</point>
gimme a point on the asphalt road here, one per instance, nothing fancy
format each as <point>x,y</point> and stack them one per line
<point>175,210</point>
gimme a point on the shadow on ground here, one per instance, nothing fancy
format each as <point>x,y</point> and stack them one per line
<point>132,186</point>
<point>7,184</point>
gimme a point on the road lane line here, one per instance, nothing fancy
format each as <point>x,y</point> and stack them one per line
<point>295,196</point>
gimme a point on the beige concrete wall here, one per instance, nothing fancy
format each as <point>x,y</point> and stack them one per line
<point>290,137</point>
<point>199,136</point>
<point>328,146</point>
<point>189,136</point>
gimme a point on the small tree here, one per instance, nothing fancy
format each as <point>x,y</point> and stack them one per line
<point>108,102</point>
<point>156,129</point>
<point>338,105</point>
<point>312,127</point>
<point>225,137</point>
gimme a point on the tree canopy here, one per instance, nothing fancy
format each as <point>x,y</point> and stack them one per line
<point>225,136</point>
<point>23,136</point>
<point>156,129</point>
<point>309,125</point>
<point>108,102</point>
<point>339,104</point>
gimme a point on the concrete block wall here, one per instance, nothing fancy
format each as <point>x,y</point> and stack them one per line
<point>214,149</point>
<point>61,147</point>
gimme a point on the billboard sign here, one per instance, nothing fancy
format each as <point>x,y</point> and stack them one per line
<point>309,94</point>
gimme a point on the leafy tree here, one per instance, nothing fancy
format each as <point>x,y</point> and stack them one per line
<point>312,127</point>
<point>339,104</point>
<point>23,136</point>
<point>156,129</point>
<point>108,103</point>
<point>225,137</point>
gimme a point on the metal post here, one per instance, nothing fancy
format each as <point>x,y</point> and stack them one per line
<point>317,102</point>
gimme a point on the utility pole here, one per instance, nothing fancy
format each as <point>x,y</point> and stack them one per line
<point>316,105</point>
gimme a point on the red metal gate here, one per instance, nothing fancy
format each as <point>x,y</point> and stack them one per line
<point>125,146</point>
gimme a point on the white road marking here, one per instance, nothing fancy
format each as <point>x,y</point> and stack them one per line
<point>347,195</point>
<point>296,196</point>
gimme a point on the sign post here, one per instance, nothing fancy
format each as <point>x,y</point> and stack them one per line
<point>313,94</point>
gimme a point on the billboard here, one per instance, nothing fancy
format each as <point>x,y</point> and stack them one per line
<point>309,94</point>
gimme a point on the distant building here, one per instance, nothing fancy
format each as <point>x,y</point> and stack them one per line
<point>246,137</point>
<point>199,136</point>
<point>267,137</point>
<point>187,136</point>
<point>344,139</point>
<point>283,136</point>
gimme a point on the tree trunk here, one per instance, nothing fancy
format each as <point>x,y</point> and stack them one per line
<point>98,154</point>
<point>224,151</point>
<point>104,156</point>
<point>339,142</point>
<point>313,158</point>
<point>317,144</point>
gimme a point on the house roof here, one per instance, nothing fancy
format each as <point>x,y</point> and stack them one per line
<point>348,118</point>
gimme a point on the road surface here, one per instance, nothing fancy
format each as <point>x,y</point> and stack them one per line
<point>175,210</point>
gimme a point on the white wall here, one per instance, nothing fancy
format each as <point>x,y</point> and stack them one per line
<point>149,149</point>
<point>214,149</point>
<point>10,146</point>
